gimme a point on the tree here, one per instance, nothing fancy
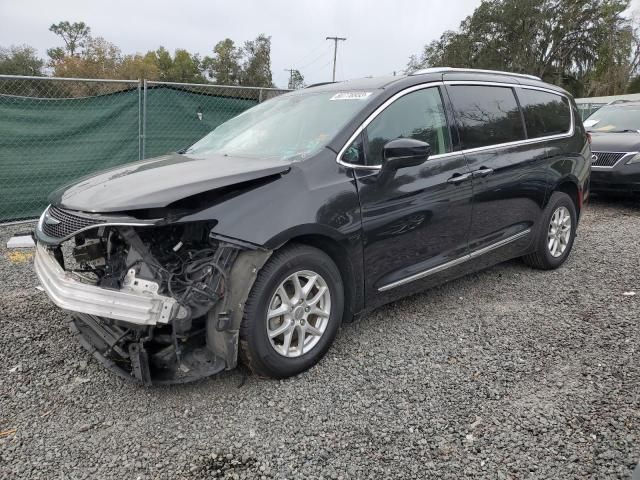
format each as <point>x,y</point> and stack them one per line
<point>85,56</point>
<point>55,54</point>
<point>256,71</point>
<point>139,66</point>
<point>586,46</point>
<point>74,35</point>
<point>634,85</point>
<point>296,80</point>
<point>616,57</point>
<point>224,67</point>
<point>185,68</point>
<point>20,60</point>
<point>163,61</point>
<point>182,67</point>
<point>99,59</point>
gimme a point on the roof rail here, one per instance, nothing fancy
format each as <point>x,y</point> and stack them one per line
<point>472,70</point>
<point>620,100</point>
<point>319,84</point>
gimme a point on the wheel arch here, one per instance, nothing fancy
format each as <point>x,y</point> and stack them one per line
<point>340,256</point>
<point>569,186</point>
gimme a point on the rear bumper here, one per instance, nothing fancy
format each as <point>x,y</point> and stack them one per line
<point>71,294</point>
<point>620,179</point>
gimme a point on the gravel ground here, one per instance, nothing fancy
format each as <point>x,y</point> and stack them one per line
<point>509,373</point>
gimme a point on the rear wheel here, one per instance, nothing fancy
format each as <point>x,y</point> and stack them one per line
<point>556,235</point>
<point>293,312</point>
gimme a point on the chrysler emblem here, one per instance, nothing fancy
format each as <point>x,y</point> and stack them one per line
<point>49,220</point>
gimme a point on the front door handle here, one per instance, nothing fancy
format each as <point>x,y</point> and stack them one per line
<point>458,178</point>
<point>482,172</point>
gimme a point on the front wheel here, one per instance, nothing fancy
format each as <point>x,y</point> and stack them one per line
<point>556,234</point>
<point>293,312</point>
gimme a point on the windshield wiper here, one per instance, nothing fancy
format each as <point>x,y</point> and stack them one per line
<point>625,130</point>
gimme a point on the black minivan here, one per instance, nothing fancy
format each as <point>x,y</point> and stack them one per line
<point>307,210</point>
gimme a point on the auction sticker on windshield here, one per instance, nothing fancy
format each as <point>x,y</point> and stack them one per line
<point>351,96</point>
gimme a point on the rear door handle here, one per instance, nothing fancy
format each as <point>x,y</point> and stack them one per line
<point>458,178</point>
<point>482,172</point>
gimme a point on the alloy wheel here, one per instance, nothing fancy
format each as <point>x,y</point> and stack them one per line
<point>298,313</point>
<point>559,231</point>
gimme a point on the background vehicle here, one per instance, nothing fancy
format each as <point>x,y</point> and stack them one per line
<point>615,144</point>
<point>307,210</point>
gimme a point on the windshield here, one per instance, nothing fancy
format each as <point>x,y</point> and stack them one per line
<point>289,127</point>
<point>613,119</point>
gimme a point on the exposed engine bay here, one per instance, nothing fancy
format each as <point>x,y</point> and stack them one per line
<point>184,269</point>
<point>183,262</point>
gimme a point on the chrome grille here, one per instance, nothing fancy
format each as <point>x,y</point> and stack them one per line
<point>69,223</point>
<point>606,159</point>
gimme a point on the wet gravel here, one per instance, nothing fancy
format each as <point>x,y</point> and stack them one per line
<point>509,373</point>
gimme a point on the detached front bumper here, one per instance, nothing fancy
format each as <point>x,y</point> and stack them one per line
<point>142,335</point>
<point>140,308</point>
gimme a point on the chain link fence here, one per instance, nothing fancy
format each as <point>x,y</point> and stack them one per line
<point>56,130</point>
<point>586,109</point>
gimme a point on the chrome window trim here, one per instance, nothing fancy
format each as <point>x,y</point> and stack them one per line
<point>414,88</point>
<point>373,116</point>
<point>504,84</point>
<point>527,141</point>
<point>600,167</point>
<point>455,262</point>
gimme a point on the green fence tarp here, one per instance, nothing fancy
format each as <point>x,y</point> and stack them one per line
<point>46,143</point>
<point>172,120</point>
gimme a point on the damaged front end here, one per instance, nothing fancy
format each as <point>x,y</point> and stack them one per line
<point>155,301</point>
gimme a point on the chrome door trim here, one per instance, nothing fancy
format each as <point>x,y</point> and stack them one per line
<point>455,262</point>
<point>501,243</point>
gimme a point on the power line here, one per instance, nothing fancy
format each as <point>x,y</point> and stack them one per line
<point>321,66</point>
<point>305,57</point>
<point>310,53</point>
<point>322,54</point>
<point>335,52</point>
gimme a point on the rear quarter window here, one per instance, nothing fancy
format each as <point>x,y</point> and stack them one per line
<point>545,113</point>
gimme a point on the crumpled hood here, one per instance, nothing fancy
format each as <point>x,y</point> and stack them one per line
<point>157,182</point>
<point>615,142</point>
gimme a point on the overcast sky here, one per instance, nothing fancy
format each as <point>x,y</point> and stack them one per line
<point>381,34</point>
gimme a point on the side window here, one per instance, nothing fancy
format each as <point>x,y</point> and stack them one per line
<point>486,115</point>
<point>354,154</point>
<point>419,115</point>
<point>544,113</point>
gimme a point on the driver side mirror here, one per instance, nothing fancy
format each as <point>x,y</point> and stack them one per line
<point>405,152</point>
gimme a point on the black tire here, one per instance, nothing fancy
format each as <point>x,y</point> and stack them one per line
<point>256,350</point>
<point>542,257</point>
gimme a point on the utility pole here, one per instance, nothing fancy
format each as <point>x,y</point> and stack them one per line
<point>335,52</point>
<point>290,70</point>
